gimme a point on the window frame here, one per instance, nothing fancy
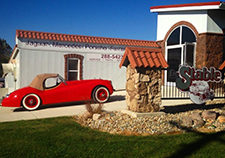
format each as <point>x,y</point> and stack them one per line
<point>78,56</point>
<point>78,68</point>
<point>183,51</point>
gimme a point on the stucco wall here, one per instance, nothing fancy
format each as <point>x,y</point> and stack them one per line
<point>167,20</point>
<point>204,21</point>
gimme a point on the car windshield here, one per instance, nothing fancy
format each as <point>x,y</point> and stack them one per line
<point>62,79</point>
<point>52,82</point>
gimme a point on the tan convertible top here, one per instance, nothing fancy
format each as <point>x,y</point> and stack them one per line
<point>37,82</point>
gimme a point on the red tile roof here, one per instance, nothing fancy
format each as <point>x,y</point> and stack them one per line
<point>222,66</point>
<point>143,57</point>
<point>83,39</point>
<point>187,5</point>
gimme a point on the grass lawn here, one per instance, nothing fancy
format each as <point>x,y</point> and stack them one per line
<point>62,137</point>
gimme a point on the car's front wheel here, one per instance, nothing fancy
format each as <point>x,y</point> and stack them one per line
<point>31,102</point>
<point>101,94</point>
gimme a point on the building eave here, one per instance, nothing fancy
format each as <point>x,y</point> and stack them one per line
<point>189,7</point>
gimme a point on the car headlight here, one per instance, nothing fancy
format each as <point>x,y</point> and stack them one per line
<point>7,95</point>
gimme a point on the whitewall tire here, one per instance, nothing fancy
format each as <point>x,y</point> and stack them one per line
<point>31,102</point>
<point>101,94</point>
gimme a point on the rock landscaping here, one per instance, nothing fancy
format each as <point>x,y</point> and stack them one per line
<point>208,119</point>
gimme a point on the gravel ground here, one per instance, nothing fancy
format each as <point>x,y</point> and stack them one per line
<point>174,121</point>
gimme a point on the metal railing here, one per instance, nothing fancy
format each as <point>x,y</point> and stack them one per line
<point>170,91</point>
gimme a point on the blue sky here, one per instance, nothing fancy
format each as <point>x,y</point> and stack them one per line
<point>129,19</point>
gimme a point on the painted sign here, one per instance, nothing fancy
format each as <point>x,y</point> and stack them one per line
<point>71,45</point>
<point>195,81</point>
<point>104,57</point>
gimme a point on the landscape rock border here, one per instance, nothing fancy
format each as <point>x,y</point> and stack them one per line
<point>117,122</point>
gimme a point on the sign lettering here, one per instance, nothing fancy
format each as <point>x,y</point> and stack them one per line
<point>189,74</point>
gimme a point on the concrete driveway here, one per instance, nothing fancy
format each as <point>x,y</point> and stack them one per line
<point>116,102</point>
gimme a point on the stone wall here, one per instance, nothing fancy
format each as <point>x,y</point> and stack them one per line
<point>143,89</point>
<point>210,50</point>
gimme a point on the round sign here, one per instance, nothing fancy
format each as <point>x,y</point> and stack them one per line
<point>200,92</point>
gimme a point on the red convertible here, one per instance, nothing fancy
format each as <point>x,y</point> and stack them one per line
<point>52,88</point>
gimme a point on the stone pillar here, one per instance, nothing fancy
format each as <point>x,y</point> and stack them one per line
<point>143,89</point>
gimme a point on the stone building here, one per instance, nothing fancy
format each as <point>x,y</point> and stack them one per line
<point>143,78</point>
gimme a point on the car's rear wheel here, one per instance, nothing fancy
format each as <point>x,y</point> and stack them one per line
<point>101,94</point>
<point>31,102</point>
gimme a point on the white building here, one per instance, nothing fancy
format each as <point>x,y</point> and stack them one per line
<point>74,57</point>
<point>191,34</point>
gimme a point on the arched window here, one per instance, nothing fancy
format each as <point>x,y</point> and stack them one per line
<point>174,37</point>
<point>180,49</point>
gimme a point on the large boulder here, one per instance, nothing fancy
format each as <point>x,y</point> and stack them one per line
<point>187,121</point>
<point>209,115</point>
<point>197,119</point>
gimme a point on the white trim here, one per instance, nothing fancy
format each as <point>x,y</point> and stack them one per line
<point>181,31</point>
<point>207,7</point>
